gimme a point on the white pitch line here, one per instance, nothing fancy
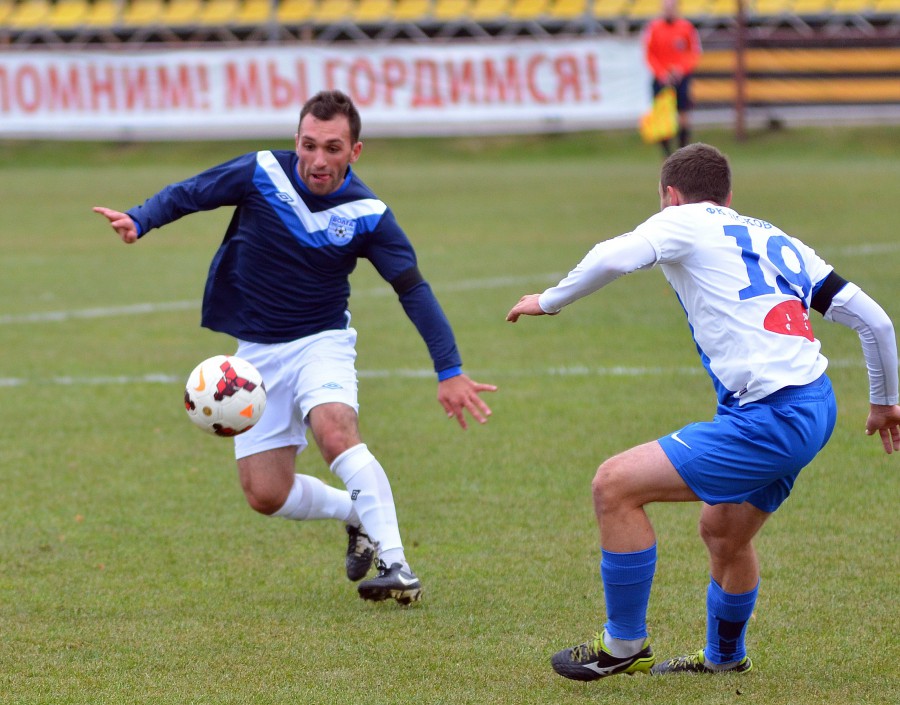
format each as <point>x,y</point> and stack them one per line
<point>402,373</point>
<point>105,312</point>
<point>860,250</point>
<point>148,308</point>
<point>461,285</point>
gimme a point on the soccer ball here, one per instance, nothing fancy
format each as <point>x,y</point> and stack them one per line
<point>225,395</point>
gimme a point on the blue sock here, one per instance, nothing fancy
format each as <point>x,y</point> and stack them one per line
<point>727,615</point>
<point>627,578</point>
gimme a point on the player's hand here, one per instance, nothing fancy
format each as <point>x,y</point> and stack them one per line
<point>886,421</point>
<point>528,306</point>
<point>120,222</point>
<point>459,393</point>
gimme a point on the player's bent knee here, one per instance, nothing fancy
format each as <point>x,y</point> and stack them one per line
<point>707,535</point>
<point>335,427</point>
<point>263,505</point>
<point>719,540</point>
<point>608,486</point>
<point>265,500</point>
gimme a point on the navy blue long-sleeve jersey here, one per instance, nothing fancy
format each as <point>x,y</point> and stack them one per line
<point>282,270</point>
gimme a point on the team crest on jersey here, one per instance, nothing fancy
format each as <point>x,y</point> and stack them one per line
<point>341,230</point>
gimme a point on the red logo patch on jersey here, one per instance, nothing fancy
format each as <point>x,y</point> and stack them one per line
<point>789,318</point>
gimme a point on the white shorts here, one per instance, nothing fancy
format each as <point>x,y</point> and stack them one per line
<point>298,375</point>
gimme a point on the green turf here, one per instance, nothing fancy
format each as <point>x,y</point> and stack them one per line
<point>133,572</point>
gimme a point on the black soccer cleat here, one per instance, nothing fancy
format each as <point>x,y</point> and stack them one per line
<point>360,552</point>
<point>591,661</point>
<point>696,663</point>
<point>402,585</point>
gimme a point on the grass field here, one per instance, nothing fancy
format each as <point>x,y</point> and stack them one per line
<point>131,570</point>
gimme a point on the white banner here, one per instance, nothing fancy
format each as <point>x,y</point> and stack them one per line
<point>400,89</point>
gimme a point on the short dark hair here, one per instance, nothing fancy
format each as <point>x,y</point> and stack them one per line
<point>326,105</point>
<point>700,172</point>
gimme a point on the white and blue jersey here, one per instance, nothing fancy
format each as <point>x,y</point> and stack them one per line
<point>282,270</point>
<point>747,289</point>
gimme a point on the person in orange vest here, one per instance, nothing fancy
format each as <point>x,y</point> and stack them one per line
<point>672,49</point>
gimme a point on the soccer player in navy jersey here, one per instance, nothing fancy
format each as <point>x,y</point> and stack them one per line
<point>746,288</point>
<point>279,283</point>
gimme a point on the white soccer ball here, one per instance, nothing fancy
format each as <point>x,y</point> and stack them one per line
<point>225,395</point>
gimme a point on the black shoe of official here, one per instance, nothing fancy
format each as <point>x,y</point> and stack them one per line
<point>360,553</point>
<point>591,661</point>
<point>696,663</point>
<point>402,585</point>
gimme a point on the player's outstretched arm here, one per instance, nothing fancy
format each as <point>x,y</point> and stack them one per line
<point>528,306</point>
<point>459,393</point>
<point>852,307</point>
<point>886,421</point>
<point>120,222</point>
<point>606,262</point>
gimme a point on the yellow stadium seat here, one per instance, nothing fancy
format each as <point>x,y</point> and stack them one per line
<point>568,9</point>
<point>886,7</point>
<point>771,8</point>
<point>295,11</point>
<point>608,9</point>
<point>851,7</point>
<point>411,10</point>
<point>139,13</point>
<point>6,10</point>
<point>219,12</point>
<point>331,11</point>
<point>373,11</point>
<point>697,8</point>
<point>253,12</point>
<point>451,10</point>
<point>724,8</point>
<point>29,14</point>
<point>179,13</point>
<point>487,10</point>
<point>67,14</point>
<point>811,7</point>
<point>528,9</point>
<point>644,9</point>
<point>103,13</point>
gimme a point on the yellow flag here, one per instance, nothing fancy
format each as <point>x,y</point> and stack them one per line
<point>661,121</point>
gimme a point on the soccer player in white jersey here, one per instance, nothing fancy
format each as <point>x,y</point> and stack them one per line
<point>747,289</point>
<point>279,284</point>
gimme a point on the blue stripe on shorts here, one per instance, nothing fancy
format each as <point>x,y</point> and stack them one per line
<point>753,453</point>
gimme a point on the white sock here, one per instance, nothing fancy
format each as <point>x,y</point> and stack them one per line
<point>394,555</point>
<point>373,500</point>
<point>310,498</point>
<point>622,648</point>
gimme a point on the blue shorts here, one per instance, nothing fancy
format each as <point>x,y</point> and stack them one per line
<point>753,453</point>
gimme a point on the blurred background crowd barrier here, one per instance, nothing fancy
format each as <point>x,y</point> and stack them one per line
<point>764,60</point>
